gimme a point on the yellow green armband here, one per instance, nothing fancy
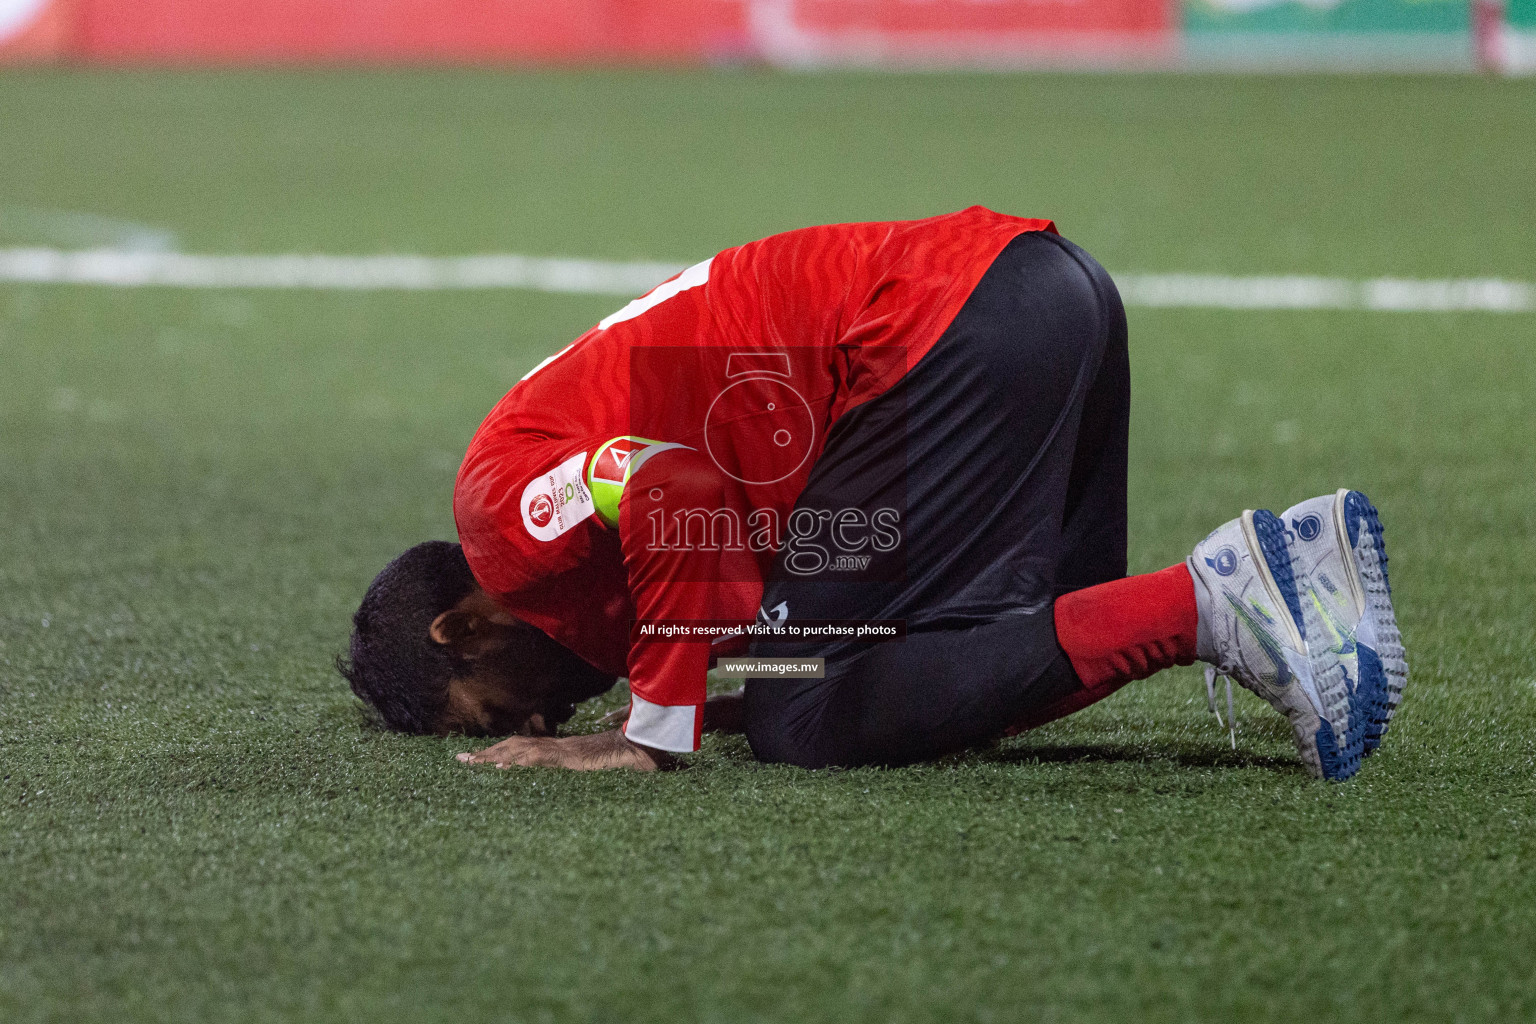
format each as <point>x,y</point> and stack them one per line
<point>612,466</point>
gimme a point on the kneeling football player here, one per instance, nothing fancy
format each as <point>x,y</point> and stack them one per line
<point>912,427</point>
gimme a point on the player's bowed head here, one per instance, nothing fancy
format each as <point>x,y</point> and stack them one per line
<point>432,653</point>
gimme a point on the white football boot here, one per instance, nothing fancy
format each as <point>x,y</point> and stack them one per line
<point>1337,540</point>
<point>1253,627</point>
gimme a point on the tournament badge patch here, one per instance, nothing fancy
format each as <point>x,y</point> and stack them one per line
<point>555,501</point>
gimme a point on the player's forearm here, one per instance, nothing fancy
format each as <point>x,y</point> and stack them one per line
<point>611,750</point>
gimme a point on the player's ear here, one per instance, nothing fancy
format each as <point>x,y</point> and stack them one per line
<point>454,627</point>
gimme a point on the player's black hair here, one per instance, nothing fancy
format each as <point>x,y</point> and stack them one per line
<point>393,662</point>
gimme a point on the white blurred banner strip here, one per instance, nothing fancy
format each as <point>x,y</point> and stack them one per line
<point>142,269</point>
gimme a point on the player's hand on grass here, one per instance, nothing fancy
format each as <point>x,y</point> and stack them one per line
<point>580,753</point>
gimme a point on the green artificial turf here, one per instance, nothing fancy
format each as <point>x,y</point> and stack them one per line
<point>198,823</point>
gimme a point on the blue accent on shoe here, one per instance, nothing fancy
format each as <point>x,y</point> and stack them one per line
<point>1337,764</point>
<point>1225,562</point>
<point>1359,722</point>
<point>1277,555</point>
<point>1352,515</point>
<point>1372,693</point>
<point>1358,509</point>
<point>1374,696</point>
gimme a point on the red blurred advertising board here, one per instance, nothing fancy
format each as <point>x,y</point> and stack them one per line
<point>791,31</point>
<point>998,16</point>
<point>402,30</point>
<point>813,32</point>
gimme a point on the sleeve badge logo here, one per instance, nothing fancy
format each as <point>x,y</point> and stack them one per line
<point>557,500</point>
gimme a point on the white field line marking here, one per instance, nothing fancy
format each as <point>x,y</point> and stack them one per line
<point>1391,294</point>
<point>139,269</point>
<point>124,269</point>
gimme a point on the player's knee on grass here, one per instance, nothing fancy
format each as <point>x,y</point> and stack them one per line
<point>936,693</point>
<point>775,739</point>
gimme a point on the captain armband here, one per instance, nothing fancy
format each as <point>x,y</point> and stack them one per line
<point>612,466</point>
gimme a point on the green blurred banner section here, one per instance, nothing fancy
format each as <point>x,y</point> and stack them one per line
<point>1329,16</point>
<point>1521,14</point>
<point>1354,34</point>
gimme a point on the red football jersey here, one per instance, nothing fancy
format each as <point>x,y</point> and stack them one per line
<point>704,404</point>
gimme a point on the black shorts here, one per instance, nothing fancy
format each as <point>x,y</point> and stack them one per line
<point>1000,458</point>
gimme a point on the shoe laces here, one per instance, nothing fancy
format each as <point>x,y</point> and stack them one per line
<point>1211,672</point>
